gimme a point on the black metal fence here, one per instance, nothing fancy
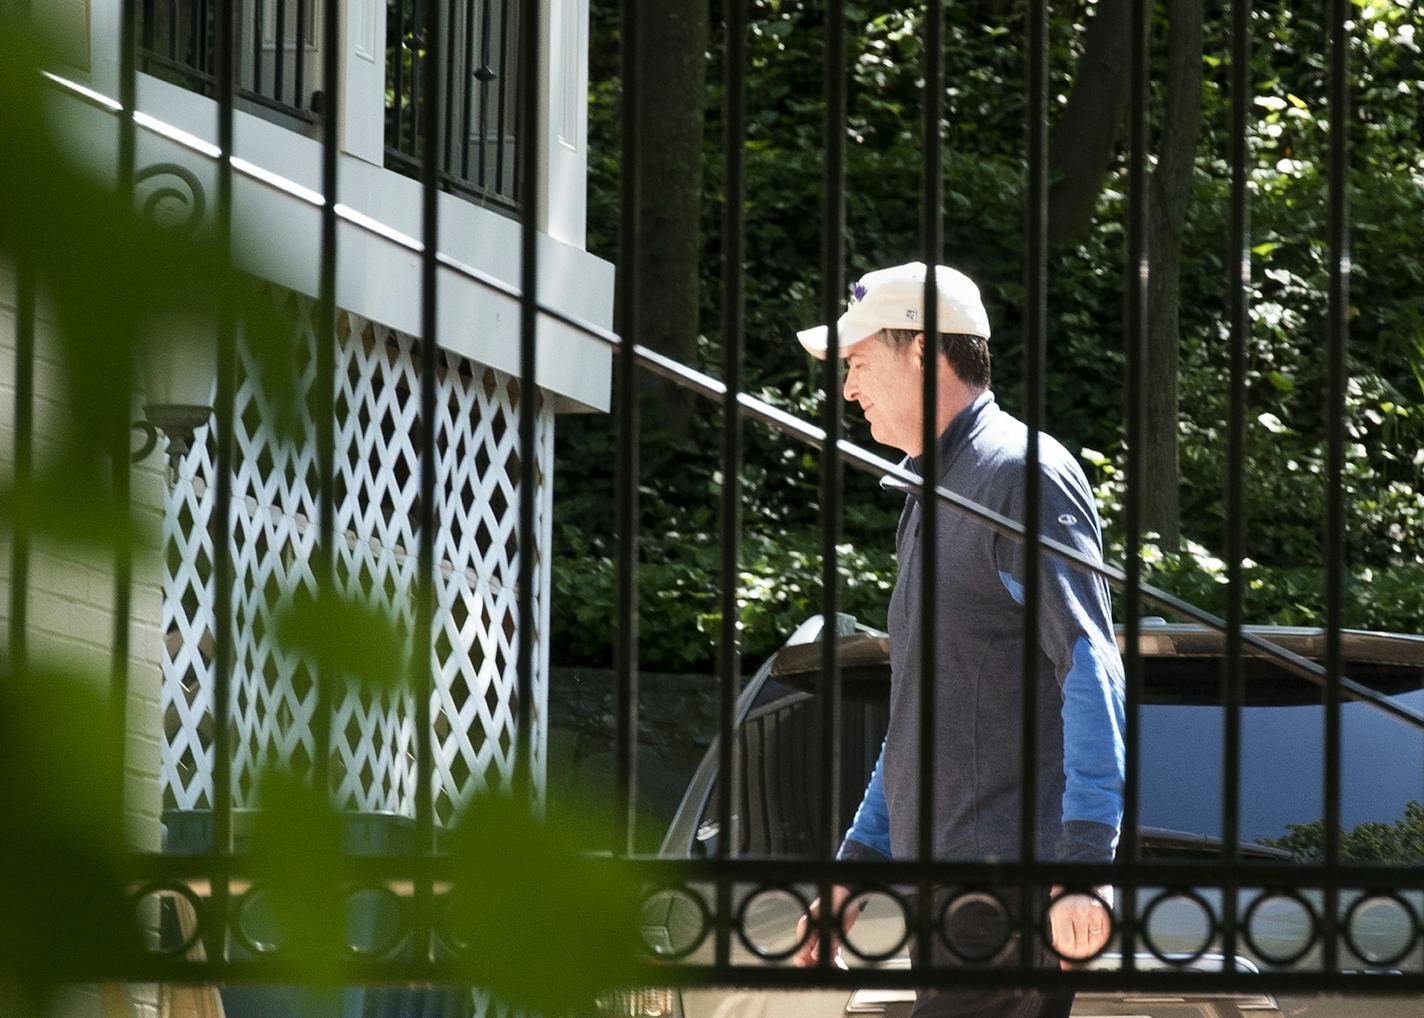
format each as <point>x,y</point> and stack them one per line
<point>279,65</point>
<point>425,108</point>
<point>476,95</point>
<point>279,59</point>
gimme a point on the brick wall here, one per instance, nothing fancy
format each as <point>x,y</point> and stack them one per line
<point>71,602</point>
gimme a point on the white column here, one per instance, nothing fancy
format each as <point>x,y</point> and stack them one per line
<point>563,198</point>
<point>363,99</point>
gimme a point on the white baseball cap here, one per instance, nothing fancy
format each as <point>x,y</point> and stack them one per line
<point>895,299</point>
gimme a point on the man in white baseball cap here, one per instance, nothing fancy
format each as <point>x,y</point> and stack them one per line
<point>978,675</point>
<point>895,299</point>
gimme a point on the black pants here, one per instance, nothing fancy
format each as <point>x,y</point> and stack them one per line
<point>981,936</point>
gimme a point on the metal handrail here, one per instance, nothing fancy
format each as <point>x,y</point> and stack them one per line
<point>787,423</point>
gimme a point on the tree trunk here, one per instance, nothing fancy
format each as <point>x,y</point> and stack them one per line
<point>669,138</point>
<point>1081,143</point>
<point>1171,192</point>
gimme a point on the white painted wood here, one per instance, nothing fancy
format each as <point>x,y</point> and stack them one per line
<point>564,156</point>
<point>278,239</point>
<point>363,98</point>
<point>474,646</point>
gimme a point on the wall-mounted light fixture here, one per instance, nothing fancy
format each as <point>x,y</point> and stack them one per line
<point>179,367</point>
<point>179,361</point>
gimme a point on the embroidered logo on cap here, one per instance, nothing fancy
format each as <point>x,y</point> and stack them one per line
<point>857,294</point>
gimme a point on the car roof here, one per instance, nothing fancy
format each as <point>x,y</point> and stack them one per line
<point>865,653</point>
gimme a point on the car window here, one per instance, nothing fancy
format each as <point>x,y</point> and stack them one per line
<point>1283,772</point>
<point>1182,731</point>
<point>779,751</point>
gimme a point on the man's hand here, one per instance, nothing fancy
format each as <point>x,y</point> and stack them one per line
<point>1081,925</point>
<point>809,937</point>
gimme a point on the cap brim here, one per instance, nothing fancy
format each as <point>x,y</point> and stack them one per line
<point>816,339</point>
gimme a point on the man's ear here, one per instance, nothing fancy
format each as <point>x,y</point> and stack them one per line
<point>920,348</point>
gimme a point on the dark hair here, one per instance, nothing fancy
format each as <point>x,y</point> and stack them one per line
<point>967,355</point>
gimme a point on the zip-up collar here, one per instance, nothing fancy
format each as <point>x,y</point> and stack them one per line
<point>952,441</point>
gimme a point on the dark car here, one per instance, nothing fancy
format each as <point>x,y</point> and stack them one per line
<point>1181,731</point>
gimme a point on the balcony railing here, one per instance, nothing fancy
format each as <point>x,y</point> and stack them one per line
<point>278,45</point>
<point>478,151</point>
<point>280,72</point>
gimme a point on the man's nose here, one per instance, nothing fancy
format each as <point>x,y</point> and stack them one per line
<point>848,390</point>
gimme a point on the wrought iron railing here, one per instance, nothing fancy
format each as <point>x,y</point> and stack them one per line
<point>279,50</point>
<point>476,131</point>
<point>719,886</point>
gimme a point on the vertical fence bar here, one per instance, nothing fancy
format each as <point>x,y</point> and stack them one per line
<point>400,83</point>
<point>450,65</point>
<point>625,650</point>
<point>1035,355</point>
<point>279,50</point>
<point>1138,268</point>
<point>833,287</point>
<point>429,365</point>
<point>148,17</point>
<point>221,849</point>
<point>173,29</point>
<point>932,240</point>
<point>205,56</point>
<point>19,651</point>
<point>419,53</point>
<point>733,341</point>
<point>24,462</point>
<point>1240,289</point>
<point>119,453</point>
<point>257,6</point>
<point>501,102</point>
<point>530,27</point>
<point>467,75</point>
<point>193,57</point>
<point>326,379</point>
<point>299,58</point>
<point>1337,338</point>
<point>484,85</point>
<point>518,153</point>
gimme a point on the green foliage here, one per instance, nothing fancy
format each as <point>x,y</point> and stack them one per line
<point>62,893</point>
<point>1400,841</point>
<point>352,640</point>
<point>543,921</point>
<point>1284,480</point>
<point>549,925</point>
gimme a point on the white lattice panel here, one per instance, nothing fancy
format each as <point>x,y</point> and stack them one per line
<point>474,642</point>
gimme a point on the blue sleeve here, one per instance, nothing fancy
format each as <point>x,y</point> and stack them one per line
<point>1076,634</point>
<point>869,834</point>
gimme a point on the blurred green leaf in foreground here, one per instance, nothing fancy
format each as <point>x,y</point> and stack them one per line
<point>545,924</point>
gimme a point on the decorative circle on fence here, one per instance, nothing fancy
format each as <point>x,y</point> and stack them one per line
<point>1286,918</point>
<point>975,925</point>
<point>778,901</point>
<point>1373,945</point>
<point>176,909</point>
<point>254,925</point>
<point>377,921</point>
<point>1047,931</point>
<point>877,945</point>
<point>675,921</point>
<point>1197,934</point>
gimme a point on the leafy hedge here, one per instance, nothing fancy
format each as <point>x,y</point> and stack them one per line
<point>1286,459</point>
